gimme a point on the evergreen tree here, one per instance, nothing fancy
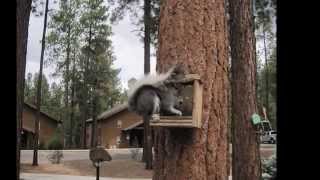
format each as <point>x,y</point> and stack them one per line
<point>80,47</point>
<point>99,77</point>
<point>23,9</point>
<point>265,11</point>
<point>62,39</point>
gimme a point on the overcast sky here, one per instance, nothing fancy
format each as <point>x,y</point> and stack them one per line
<point>128,50</point>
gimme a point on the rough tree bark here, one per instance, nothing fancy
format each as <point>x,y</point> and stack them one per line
<point>194,33</point>
<point>37,120</point>
<point>245,148</point>
<point>22,20</point>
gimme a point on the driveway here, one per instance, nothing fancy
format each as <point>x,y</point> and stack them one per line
<point>38,176</point>
<point>120,154</point>
<point>68,155</point>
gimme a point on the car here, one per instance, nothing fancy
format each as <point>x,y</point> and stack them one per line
<point>269,137</point>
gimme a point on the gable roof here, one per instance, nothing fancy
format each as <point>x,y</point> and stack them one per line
<point>41,112</point>
<point>111,112</point>
<point>133,126</point>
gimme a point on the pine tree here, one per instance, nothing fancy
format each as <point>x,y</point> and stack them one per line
<point>147,30</point>
<point>23,13</point>
<point>245,141</point>
<point>38,102</point>
<point>264,23</point>
<point>56,101</point>
<point>62,39</point>
<point>194,34</point>
<point>80,46</point>
<point>99,77</point>
<point>29,90</point>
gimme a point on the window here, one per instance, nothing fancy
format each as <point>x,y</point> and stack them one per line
<point>119,123</point>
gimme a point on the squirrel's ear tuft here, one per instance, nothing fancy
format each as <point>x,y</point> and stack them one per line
<point>178,69</point>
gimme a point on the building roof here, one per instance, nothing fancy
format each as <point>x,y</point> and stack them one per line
<point>41,112</point>
<point>111,112</point>
<point>133,126</point>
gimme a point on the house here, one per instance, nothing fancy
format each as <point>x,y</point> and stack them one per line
<point>47,126</point>
<point>117,128</point>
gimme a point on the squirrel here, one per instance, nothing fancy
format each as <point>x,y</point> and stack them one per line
<point>156,94</point>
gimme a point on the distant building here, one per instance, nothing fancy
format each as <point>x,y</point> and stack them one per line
<point>47,126</point>
<point>117,128</point>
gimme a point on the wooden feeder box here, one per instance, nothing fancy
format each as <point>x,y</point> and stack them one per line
<point>191,106</point>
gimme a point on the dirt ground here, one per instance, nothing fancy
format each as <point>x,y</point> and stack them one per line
<point>127,168</point>
<point>114,168</point>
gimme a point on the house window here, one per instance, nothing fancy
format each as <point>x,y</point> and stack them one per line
<point>119,123</point>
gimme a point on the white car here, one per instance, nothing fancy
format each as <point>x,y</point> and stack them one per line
<point>269,137</point>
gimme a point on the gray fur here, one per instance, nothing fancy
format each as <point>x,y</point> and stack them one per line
<point>158,97</point>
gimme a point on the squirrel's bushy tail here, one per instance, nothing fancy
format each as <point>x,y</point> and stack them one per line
<point>147,82</point>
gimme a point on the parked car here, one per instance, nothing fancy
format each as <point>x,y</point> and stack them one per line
<point>269,137</point>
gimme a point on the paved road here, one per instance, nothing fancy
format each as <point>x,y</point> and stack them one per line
<point>33,176</point>
<point>26,155</point>
<point>38,176</point>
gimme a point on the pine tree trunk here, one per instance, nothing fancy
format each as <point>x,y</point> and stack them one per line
<point>86,95</point>
<point>72,102</point>
<point>267,71</point>
<point>37,120</point>
<point>22,20</point>
<point>194,33</point>
<point>147,148</point>
<point>229,125</point>
<point>147,36</point>
<point>245,147</point>
<point>94,134</point>
<point>83,127</point>
<point>67,79</point>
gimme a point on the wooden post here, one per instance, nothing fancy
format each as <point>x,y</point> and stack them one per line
<point>98,171</point>
<point>197,103</point>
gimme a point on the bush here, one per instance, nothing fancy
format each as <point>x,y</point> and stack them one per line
<point>55,142</point>
<point>42,145</point>
<point>134,153</point>
<point>55,157</point>
<point>269,168</point>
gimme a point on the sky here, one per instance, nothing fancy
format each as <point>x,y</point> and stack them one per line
<point>128,50</point>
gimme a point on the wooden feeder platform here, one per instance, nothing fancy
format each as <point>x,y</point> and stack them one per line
<point>193,121</point>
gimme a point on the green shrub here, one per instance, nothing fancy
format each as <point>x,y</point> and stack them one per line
<point>269,168</point>
<point>55,143</point>
<point>55,157</point>
<point>42,145</point>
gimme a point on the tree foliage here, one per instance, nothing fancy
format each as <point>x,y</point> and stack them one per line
<point>52,96</point>
<point>265,12</point>
<point>79,46</point>
<point>272,76</point>
<point>135,9</point>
